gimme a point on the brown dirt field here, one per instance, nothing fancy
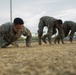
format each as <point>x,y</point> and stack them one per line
<point>55,59</point>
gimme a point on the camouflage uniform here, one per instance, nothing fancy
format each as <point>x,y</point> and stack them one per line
<point>67,26</point>
<point>50,23</point>
<point>60,36</point>
<point>45,36</point>
<point>8,36</point>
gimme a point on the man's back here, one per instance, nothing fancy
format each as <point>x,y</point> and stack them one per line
<point>69,24</point>
<point>4,28</point>
<point>48,20</point>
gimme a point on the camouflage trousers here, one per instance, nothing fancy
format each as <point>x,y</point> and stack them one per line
<point>58,38</point>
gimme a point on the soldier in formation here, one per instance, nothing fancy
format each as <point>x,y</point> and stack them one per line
<point>67,27</point>
<point>11,32</point>
<point>51,23</point>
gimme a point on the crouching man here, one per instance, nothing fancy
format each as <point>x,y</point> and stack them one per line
<point>51,23</point>
<point>67,27</point>
<point>11,32</point>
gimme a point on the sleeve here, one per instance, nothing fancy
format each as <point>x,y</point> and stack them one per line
<point>72,34</point>
<point>27,33</point>
<point>2,30</point>
<point>15,44</point>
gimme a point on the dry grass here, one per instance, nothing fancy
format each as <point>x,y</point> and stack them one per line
<point>56,59</point>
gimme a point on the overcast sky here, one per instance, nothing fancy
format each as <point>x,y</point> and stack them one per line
<point>31,11</point>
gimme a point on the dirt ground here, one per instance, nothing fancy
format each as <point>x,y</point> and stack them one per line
<point>55,59</point>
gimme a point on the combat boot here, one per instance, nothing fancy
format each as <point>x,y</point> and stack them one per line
<point>44,40</point>
<point>39,42</point>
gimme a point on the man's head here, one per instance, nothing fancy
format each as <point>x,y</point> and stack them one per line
<point>58,23</point>
<point>17,25</point>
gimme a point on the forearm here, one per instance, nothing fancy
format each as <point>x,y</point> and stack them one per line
<point>28,41</point>
<point>27,33</point>
<point>15,44</point>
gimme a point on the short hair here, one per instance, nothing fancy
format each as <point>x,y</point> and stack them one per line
<point>59,21</point>
<point>18,21</point>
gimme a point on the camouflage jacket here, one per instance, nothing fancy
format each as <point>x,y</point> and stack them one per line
<point>48,21</point>
<point>7,33</point>
<point>69,24</point>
